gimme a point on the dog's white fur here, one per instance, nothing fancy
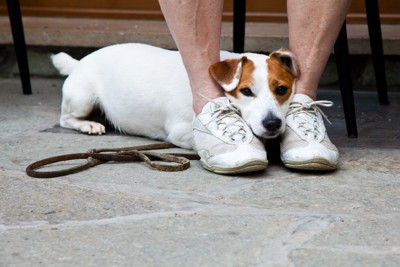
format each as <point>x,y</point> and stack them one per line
<point>144,90</point>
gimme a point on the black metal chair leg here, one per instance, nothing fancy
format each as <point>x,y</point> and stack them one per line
<point>375,38</point>
<point>239,23</point>
<point>344,71</point>
<point>19,44</point>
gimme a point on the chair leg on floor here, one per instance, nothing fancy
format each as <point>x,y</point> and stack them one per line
<point>375,38</point>
<point>19,44</point>
<point>239,23</point>
<point>344,72</point>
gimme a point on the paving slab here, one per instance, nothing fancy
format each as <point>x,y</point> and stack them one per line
<point>126,214</point>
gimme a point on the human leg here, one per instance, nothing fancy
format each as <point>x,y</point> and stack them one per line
<point>224,142</point>
<point>196,28</point>
<point>313,29</point>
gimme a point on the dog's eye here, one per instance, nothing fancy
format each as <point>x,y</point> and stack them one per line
<point>247,91</point>
<point>281,90</point>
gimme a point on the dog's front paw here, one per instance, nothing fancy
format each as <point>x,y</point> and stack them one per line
<point>92,127</point>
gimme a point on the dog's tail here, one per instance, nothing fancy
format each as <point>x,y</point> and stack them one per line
<point>64,63</point>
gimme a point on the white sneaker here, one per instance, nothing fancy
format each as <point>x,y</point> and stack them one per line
<point>224,142</point>
<point>305,144</point>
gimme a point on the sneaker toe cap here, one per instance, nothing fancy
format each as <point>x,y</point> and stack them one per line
<point>311,151</point>
<point>241,155</point>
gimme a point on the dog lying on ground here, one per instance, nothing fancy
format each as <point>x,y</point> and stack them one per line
<point>144,90</point>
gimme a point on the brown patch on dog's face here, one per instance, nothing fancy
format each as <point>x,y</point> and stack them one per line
<point>280,79</point>
<point>246,79</point>
<point>224,72</point>
<point>233,74</point>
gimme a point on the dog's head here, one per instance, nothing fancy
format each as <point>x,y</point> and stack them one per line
<point>261,87</point>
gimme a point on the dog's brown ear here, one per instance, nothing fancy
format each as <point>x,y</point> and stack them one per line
<point>288,61</point>
<point>227,73</point>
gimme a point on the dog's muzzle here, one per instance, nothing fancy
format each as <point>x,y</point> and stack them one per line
<point>273,126</point>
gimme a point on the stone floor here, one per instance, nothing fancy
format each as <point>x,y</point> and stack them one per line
<point>130,215</point>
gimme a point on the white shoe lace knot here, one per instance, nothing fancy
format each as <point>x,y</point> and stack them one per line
<point>229,121</point>
<point>305,115</point>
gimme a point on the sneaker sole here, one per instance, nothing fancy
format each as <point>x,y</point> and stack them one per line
<point>317,164</point>
<point>250,166</point>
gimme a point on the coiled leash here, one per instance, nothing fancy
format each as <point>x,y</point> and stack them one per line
<point>169,162</point>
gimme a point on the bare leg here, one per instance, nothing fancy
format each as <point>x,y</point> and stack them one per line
<point>313,28</point>
<point>196,28</point>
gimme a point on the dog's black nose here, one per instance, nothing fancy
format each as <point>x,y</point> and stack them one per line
<point>272,124</point>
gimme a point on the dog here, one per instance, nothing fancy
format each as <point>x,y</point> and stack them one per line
<point>144,90</point>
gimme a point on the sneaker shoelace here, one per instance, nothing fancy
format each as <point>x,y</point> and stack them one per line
<point>228,120</point>
<point>306,117</point>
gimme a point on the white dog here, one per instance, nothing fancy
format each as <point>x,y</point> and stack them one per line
<point>144,90</point>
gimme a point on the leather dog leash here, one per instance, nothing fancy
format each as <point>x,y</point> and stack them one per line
<point>165,161</point>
